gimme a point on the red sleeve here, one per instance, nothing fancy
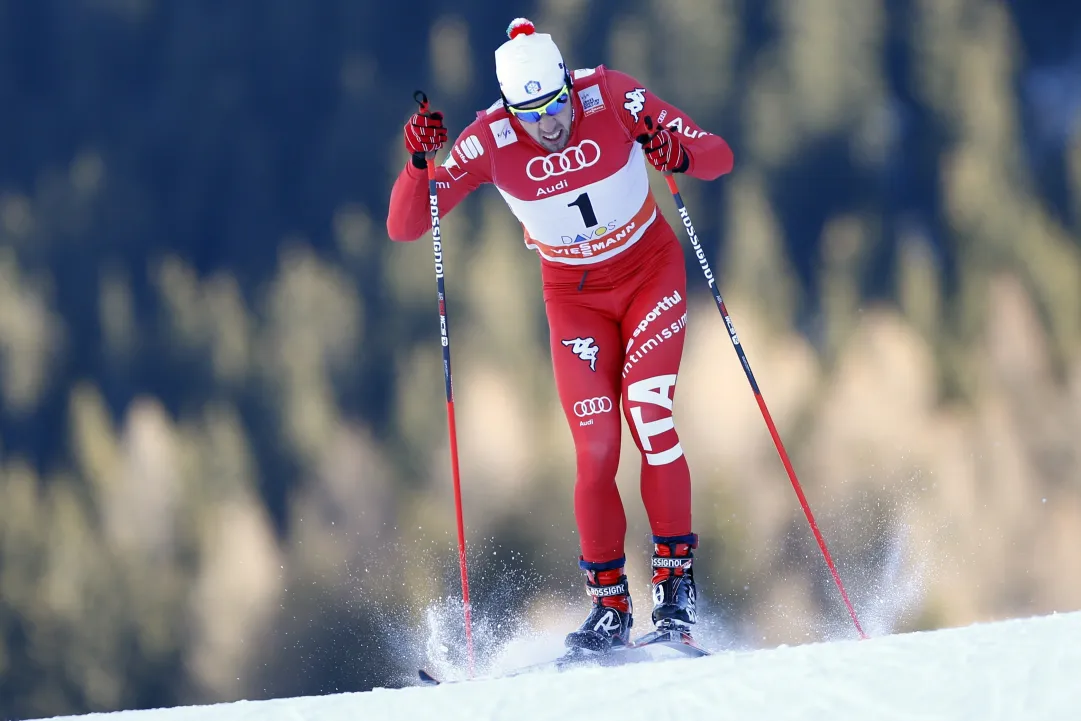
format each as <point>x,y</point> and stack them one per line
<point>465,168</point>
<point>710,155</point>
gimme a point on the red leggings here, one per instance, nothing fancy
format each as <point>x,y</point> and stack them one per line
<point>617,338</point>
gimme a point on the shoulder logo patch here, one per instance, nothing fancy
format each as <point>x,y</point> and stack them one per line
<point>591,99</point>
<point>503,133</point>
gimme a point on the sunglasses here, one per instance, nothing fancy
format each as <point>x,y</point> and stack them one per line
<point>552,107</point>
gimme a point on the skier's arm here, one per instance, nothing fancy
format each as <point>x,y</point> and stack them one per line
<point>709,155</point>
<point>409,215</point>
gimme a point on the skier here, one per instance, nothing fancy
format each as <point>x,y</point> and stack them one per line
<point>565,150</point>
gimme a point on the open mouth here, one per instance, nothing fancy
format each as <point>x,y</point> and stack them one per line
<point>553,136</point>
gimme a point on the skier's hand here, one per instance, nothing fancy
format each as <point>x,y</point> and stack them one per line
<point>663,149</point>
<point>424,133</point>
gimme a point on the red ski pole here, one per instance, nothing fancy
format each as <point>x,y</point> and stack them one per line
<point>701,256</point>
<point>444,332</point>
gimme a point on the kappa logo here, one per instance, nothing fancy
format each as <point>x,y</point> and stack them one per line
<point>636,102</point>
<point>591,99</point>
<point>584,349</point>
<point>503,133</point>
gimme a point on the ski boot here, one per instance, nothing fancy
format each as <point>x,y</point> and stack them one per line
<point>674,597</point>
<point>610,619</point>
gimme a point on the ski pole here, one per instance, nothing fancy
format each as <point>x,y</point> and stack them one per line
<point>700,254</point>
<point>444,333</point>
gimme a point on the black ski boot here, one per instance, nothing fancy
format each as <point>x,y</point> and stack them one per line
<point>673,582</point>
<point>610,619</point>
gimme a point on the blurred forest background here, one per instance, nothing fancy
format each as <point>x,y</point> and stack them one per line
<point>224,466</point>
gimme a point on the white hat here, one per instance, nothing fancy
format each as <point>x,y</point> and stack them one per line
<point>529,65</point>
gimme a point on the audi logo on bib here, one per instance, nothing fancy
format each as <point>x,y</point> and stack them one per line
<point>569,160</point>
<point>592,406</point>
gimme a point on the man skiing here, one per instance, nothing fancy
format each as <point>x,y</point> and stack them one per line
<point>565,150</point>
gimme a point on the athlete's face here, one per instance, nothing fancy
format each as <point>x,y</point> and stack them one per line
<point>553,132</point>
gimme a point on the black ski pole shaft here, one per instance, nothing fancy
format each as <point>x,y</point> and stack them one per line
<point>444,334</point>
<point>685,218</point>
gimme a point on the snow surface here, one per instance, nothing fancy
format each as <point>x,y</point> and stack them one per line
<point>1024,669</point>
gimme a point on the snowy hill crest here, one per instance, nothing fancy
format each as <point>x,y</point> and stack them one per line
<point>1024,669</point>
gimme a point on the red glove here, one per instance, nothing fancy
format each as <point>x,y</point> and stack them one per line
<point>425,133</point>
<point>663,149</point>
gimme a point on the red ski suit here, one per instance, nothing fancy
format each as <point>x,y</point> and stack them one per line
<point>613,275</point>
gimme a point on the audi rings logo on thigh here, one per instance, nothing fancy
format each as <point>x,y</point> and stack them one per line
<point>592,406</point>
<point>569,160</point>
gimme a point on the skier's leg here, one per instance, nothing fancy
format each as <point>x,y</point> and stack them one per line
<point>653,328</point>
<point>586,355</point>
<point>653,332</point>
